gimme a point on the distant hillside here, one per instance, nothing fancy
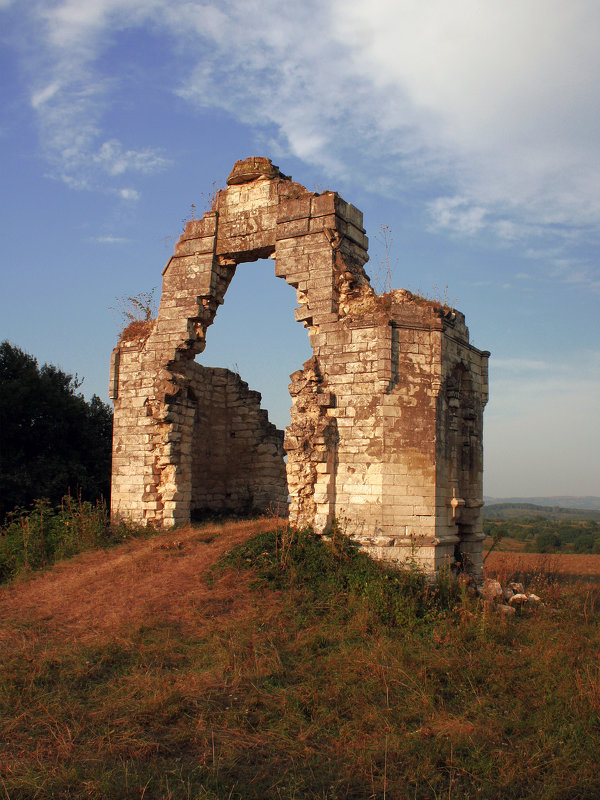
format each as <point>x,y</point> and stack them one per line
<point>518,510</point>
<point>561,501</point>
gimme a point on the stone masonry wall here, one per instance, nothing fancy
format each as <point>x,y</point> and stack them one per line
<point>386,423</point>
<point>237,454</point>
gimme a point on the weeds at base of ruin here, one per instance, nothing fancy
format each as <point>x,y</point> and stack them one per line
<point>325,567</point>
<point>35,538</point>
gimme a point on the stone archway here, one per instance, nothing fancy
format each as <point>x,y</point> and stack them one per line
<point>361,443</point>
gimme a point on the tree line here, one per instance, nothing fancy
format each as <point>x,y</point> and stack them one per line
<point>52,440</point>
<point>543,535</point>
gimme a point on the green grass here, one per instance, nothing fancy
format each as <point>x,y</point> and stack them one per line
<point>329,569</point>
<point>326,677</point>
<point>38,537</point>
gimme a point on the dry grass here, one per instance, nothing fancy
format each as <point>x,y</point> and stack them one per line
<point>560,563</point>
<point>103,593</point>
<point>138,315</point>
<point>144,672</point>
<point>136,330</point>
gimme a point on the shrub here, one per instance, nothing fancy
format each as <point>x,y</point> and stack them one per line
<point>547,542</point>
<point>327,568</point>
<point>41,535</point>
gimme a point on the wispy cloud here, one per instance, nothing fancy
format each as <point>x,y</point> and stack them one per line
<point>71,134</point>
<point>42,95</point>
<point>130,195</point>
<point>489,101</point>
<point>70,93</point>
<point>114,160</point>
<point>490,110</point>
<point>110,240</point>
<point>457,214</point>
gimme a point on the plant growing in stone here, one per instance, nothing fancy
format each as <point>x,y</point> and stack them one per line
<point>137,314</point>
<point>382,280</point>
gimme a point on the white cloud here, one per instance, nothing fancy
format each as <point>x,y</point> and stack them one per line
<point>495,101</point>
<point>43,95</point>
<point>70,94</point>
<point>576,272</point>
<point>73,27</point>
<point>505,89</point>
<point>457,214</point>
<point>110,240</point>
<point>490,109</point>
<point>131,195</point>
<point>113,159</point>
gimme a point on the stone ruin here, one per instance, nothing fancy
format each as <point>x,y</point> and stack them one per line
<point>387,415</point>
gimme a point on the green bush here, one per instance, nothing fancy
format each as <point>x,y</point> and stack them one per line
<point>327,568</point>
<point>548,542</point>
<point>41,535</point>
<point>585,543</point>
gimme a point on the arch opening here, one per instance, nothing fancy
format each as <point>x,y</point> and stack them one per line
<point>242,405</point>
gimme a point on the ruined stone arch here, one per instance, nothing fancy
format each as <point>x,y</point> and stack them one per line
<point>363,440</point>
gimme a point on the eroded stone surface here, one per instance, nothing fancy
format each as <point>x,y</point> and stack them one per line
<point>387,415</point>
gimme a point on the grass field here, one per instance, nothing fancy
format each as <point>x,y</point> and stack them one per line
<point>158,670</point>
<point>559,565</point>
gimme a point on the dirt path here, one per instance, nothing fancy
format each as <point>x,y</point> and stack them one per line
<point>117,589</point>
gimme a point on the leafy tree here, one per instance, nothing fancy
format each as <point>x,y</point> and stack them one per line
<point>568,532</point>
<point>548,542</point>
<point>584,543</point>
<point>51,439</point>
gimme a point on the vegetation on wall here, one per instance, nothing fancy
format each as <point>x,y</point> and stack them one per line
<point>137,315</point>
<point>51,439</point>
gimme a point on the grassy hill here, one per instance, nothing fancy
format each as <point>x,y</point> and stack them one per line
<point>503,511</point>
<point>561,501</point>
<point>228,662</point>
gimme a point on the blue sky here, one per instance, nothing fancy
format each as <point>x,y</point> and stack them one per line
<point>470,128</point>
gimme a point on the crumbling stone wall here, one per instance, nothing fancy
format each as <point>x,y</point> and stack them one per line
<point>237,454</point>
<point>386,422</point>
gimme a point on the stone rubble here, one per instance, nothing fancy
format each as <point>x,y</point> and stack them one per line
<point>509,598</point>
